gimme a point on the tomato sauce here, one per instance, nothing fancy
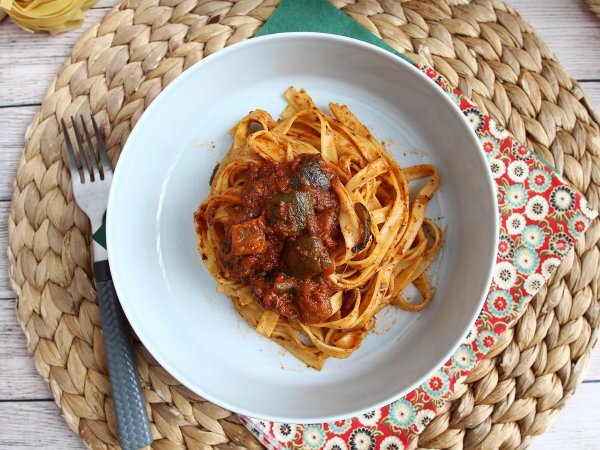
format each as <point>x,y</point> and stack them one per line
<point>280,239</point>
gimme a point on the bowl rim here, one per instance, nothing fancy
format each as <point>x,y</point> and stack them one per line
<point>120,283</point>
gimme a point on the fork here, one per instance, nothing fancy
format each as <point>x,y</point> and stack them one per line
<point>91,186</point>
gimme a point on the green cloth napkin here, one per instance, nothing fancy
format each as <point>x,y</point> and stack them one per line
<point>100,235</point>
<point>322,17</point>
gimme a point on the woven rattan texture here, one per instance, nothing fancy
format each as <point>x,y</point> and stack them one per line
<point>594,6</point>
<point>120,65</point>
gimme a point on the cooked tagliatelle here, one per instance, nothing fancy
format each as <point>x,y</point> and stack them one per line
<point>310,229</point>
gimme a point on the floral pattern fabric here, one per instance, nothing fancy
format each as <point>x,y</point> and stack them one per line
<point>541,219</point>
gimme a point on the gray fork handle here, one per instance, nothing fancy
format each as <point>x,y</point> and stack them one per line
<point>130,407</point>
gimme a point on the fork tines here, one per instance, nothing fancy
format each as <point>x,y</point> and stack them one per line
<point>94,161</point>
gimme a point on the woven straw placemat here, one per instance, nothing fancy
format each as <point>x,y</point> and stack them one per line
<point>120,65</point>
<point>594,6</point>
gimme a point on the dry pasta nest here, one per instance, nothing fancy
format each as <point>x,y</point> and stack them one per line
<point>51,16</point>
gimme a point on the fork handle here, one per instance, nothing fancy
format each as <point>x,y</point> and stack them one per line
<point>130,407</point>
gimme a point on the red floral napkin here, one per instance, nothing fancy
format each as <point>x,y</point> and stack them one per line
<point>541,218</point>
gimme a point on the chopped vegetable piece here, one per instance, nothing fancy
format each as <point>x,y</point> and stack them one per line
<point>306,257</point>
<point>310,173</point>
<point>248,238</point>
<point>284,284</point>
<point>290,210</point>
<point>364,219</point>
<point>214,172</point>
<point>314,302</point>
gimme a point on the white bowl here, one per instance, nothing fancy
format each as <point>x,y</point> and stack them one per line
<point>162,176</point>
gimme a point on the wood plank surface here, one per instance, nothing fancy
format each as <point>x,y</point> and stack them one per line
<point>593,370</point>
<point>5,289</point>
<point>43,54</point>
<point>28,62</point>
<point>14,121</point>
<point>569,29</point>
<point>592,90</point>
<point>19,379</point>
<point>576,427</point>
<point>35,425</point>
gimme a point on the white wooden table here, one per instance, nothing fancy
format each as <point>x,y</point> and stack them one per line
<point>28,416</point>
